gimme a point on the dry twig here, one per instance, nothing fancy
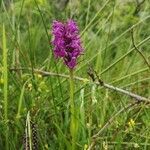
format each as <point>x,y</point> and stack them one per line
<point>100,82</point>
<point>136,48</point>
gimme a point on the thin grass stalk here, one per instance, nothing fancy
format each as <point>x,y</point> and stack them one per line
<point>130,75</point>
<point>115,40</point>
<point>21,99</point>
<point>123,56</point>
<point>14,41</point>
<point>94,18</point>
<point>109,122</point>
<point>50,55</point>
<point>18,116</point>
<point>5,73</point>
<point>29,134</point>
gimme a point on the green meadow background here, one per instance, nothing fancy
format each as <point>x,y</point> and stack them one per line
<point>34,86</point>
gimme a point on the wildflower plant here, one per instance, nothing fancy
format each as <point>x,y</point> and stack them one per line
<point>131,123</point>
<point>66,42</point>
<point>67,46</point>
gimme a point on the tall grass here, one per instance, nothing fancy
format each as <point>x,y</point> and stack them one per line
<point>5,76</point>
<point>105,29</point>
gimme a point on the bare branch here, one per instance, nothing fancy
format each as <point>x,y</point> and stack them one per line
<point>133,42</point>
<point>132,95</point>
<point>100,82</point>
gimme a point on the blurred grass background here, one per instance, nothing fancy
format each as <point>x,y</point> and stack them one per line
<point>105,29</point>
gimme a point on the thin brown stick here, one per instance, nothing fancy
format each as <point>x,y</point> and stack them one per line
<point>136,48</point>
<point>100,82</point>
<point>132,95</point>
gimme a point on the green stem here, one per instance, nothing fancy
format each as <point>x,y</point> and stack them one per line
<point>73,126</point>
<point>5,74</point>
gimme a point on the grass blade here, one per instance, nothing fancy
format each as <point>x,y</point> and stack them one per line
<point>5,74</point>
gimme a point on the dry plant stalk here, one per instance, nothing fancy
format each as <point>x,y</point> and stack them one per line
<point>136,48</point>
<point>30,141</point>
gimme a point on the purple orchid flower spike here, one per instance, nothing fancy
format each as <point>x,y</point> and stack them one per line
<point>67,44</point>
